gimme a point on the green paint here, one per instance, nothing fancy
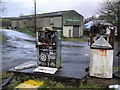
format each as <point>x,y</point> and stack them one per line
<point>71,20</point>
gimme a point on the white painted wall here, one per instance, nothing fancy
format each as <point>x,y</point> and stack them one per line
<point>66,31</point>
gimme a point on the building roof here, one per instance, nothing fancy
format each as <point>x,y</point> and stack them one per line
<point>10,18</point>
<point>58,13</point>
<point>51,14</point>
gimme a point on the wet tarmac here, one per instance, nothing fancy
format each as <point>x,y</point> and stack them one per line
<point>18,48</point>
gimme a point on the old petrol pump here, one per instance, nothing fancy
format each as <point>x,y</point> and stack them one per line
<point>101,50</point>
<point>48,49</point>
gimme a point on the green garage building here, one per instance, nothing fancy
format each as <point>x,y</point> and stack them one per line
<point>70,22</point>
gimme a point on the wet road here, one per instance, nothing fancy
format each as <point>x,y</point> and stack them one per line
<point>18,48</point>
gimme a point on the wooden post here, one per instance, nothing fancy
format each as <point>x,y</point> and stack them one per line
<point>35,15</point>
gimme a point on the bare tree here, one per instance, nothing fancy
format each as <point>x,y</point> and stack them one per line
<point>111,11</point>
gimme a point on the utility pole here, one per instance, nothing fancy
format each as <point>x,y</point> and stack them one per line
<point>35,16</point>
<point>118,22</point>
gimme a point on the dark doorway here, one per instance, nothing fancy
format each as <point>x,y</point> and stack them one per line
<point>75,31</point>
<point>69,32</point>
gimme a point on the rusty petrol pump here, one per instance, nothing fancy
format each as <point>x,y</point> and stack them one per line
<point>48,50</point>
<point>101,50</point>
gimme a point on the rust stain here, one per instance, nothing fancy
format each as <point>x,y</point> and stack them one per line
<point>103,52</point>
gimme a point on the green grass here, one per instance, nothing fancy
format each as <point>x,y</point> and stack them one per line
<point>3,19</point>
<point>48,82</point>
<point>27,31</point>
<point>116,68</point>
<point>2,38</point>
<point>18,78</point>
<point>80,39</point>
<point>1,27</point>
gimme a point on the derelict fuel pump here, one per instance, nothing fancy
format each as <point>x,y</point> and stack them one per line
<point>49,48</point>
<point>101,50</point>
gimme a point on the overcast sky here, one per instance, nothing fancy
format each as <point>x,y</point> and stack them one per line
<point>15,8</point>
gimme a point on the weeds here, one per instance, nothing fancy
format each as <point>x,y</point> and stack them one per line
<point>48,82</point>
<point>93,86</point>
<point>2,38</point>
<point>80,39</point>
<point>117,68</point>
<point>27,31</point>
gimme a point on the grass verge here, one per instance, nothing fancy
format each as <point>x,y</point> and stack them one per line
<point>48,82</point>
<point>85,86</point>
<point>80,39</point>
<point>27,31</point>
<point>2,38</point>
<point>18,78</point>
<point>116,68</point>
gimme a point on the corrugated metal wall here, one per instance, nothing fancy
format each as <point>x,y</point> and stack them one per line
<point>75,31</point>
<point>45,22</point>
<point>101,63</point>
<point>13,23</point>
<point>57,22</point>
